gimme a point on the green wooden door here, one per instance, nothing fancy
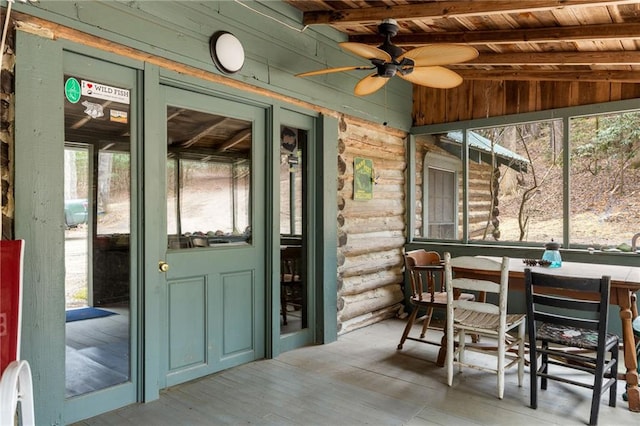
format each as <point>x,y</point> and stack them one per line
<point>212,292</point>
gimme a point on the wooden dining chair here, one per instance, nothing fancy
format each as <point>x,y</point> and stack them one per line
<point>425,270</point>
<point>199,241</point>
<point>567,326</point>
<point>291,280</point>
<point>483,317</point>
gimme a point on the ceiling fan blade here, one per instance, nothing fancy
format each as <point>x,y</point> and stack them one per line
<point>437,77</point>
<point>440,54</point>
<point>366,51</point>
<point>331,70</point>
<point>369,84</point>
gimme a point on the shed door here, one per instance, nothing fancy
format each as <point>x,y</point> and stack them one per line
<point>212,275</point>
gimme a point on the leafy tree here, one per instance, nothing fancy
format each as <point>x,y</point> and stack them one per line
<point>613,148</point>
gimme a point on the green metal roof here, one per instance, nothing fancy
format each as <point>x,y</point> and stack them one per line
<point>483,148</point>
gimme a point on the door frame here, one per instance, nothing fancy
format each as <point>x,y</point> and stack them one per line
<point>321,227</point>
<point>308,123</point>
<point>39,220</point>
<point>83,406</point>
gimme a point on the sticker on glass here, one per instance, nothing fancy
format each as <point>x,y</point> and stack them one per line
<point>102,91</point>
<point>93,110</point>
<point>118,116</point>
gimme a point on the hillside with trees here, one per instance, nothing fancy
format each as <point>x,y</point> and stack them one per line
<point>604,181</point>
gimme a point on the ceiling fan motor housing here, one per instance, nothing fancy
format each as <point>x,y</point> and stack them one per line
<point>386,70</point>
<point>388,27</point>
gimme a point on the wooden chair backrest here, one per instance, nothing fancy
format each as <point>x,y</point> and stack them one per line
<point>422,281</point>
<point>11,263</point>
<point>570,301</point>
<point>459,276</point>
<point>199,241</point>
<point>290,263</point>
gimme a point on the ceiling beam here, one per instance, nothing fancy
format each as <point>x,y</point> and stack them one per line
<point>235,139</point>
<point>552,75</point>
<point>532,35</point>
<point>558,58</point>
<point>443,9</point>
<point>204,131</point>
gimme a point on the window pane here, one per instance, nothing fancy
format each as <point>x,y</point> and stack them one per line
<point>98,217</point>
<point>442,203</point>
<point>294,285</point>
<point>605,180</point>
<point>438,186</point>
<point>208,179</point>
<point>515,183</point>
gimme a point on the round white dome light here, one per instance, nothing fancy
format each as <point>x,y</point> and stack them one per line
<point>227,52</point>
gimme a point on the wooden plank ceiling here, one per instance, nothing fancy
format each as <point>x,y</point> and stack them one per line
<point>517,40</point>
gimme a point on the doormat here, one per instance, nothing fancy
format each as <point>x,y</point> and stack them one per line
<point>86,313</point>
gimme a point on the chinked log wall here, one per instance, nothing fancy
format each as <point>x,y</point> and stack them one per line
<point>371,233</point>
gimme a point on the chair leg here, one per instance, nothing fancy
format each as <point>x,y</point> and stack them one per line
<point>595,398</point>
<point>544,366</point>
<point>407,328</point>
<point>427,321</point>
<point>500,369</point>
<point>613,390</point>
<point>461,347</point>
<point>521,353</point>
<point>450,350</point>
<point>533,370</point>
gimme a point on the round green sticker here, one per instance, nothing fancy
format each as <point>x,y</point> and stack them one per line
<point>72,90</point>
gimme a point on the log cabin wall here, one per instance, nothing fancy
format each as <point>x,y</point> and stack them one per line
<point>481,99</point>
<point>7,92</point>
<point>371,233</point>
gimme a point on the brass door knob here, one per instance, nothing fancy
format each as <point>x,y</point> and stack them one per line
<point>163,266</point>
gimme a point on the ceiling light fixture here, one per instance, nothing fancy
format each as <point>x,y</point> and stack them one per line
<point>226,51</point>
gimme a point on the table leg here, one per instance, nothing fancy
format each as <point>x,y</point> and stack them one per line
<point>630,357</point>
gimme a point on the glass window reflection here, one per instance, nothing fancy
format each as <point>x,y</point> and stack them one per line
<point>208,179</point>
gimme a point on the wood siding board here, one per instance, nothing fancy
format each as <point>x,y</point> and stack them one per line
<point>585,93</point>
<point>497,92</point>
<point>524,96</point>
<point>548,98</point>
<point>603,92</point>
<point>562,91</point>
<point>37,220</point>
<point>515,95</point>
<point>616,91</point>
<point>480,96</point>
<point>451,101</point>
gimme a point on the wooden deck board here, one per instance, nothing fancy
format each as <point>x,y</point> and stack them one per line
<point>362,379</point>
